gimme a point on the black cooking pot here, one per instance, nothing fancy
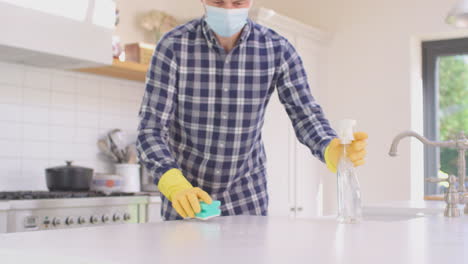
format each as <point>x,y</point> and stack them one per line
<point>69,178</point>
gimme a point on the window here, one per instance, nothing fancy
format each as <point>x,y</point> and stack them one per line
<point>445,78</point>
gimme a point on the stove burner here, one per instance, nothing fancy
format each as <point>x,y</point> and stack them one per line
<point>31,195</point>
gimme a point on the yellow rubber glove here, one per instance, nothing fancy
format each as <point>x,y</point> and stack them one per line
<point>356,151</point>
<point>184,197</point>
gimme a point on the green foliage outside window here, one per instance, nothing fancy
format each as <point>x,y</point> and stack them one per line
<point>453,106</point>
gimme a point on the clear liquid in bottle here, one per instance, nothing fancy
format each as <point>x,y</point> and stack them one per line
<point>349,193</point>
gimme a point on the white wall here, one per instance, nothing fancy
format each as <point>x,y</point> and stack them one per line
<point>49,116</point>
<point>374,77</point>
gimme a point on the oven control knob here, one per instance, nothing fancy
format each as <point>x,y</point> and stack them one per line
<point>94,219</point>
<point>126,217</point>
<point>81,220</point>
<point>69,221</point>
<point>116,217</point>
<point>56,221</point>
<point>105,218</point>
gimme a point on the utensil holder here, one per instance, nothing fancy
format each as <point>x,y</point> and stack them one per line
<point>131,176</point>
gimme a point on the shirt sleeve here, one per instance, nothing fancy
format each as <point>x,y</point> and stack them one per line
<point>156,111</point>
<point>310,125</point>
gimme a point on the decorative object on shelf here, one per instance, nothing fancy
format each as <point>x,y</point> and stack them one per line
<point>116,43</point>
<point>116,47</point>
<point>458,16</point>
<point>139,52</point>
<point>117,16</point>
<point>158,23</point>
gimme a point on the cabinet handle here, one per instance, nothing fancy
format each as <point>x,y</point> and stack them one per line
<point>292,209</point>
<point>299,209</point>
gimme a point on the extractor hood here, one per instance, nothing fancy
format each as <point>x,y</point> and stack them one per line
<point>57,34</point>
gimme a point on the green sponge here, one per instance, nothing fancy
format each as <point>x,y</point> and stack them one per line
<point>209,210</point>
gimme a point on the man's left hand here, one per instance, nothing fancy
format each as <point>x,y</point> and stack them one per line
<point>356,151</point>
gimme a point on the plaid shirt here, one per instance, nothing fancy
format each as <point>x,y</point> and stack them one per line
<point>203,111</point>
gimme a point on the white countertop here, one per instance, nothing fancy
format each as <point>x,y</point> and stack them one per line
<point>247,239</point>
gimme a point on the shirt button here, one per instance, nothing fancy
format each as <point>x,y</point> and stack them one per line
<point>218,172</point>
<point>226,89</point>
<point>221,145</point>
<point>224,116</point>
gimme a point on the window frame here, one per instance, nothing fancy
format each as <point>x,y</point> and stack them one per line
<point>431,50</point>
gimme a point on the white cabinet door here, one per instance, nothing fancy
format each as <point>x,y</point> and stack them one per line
<point>293,182</point>
<point>153,213</point>
<point>308,182</point>
<point>277,136</point>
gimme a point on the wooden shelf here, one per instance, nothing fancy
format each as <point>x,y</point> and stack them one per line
<point>434,197</point>
<point>439,197</point>
<point>120,69</point>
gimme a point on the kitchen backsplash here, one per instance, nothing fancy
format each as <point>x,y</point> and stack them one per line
<point>48,116</point>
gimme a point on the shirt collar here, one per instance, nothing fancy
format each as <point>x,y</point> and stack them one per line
<point>211,37</point>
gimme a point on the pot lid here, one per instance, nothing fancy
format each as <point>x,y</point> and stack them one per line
<point>69,166</point>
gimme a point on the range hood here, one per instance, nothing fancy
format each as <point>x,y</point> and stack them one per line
<point>57,34</point>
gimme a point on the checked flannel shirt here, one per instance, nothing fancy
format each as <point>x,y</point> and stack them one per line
<point>203,111</point>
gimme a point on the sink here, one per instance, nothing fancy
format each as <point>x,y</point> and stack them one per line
<point>393,214</point>
<point>397,211</point>
<point>370,216</point>
<point>390,217</point>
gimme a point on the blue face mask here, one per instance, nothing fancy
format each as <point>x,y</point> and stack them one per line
<point>226,22</point>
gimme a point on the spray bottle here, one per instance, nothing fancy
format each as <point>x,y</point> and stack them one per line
<point>349,193</point>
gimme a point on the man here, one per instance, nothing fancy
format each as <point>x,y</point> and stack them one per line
<point>207,90</point>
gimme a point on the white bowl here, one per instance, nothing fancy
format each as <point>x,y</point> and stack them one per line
<point>107,183</point>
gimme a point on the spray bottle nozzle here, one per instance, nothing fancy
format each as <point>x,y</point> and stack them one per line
<point>345,130</point>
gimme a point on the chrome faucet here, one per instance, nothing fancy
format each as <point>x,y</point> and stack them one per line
<point>452,196</point>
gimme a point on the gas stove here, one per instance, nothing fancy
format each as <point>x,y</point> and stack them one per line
<point>41,210</point>
<point>31,195</point>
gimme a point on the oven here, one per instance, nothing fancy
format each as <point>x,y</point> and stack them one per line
<point>32,211</point>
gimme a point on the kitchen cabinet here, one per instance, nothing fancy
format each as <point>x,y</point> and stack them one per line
<point>293,180</point>
<point>153,210</point>
<point>51,33</point>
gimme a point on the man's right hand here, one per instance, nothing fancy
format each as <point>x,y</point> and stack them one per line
<point>187,202</point>
<point>184,197</point>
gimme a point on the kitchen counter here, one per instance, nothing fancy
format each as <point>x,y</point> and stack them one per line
<point>247,239</point>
